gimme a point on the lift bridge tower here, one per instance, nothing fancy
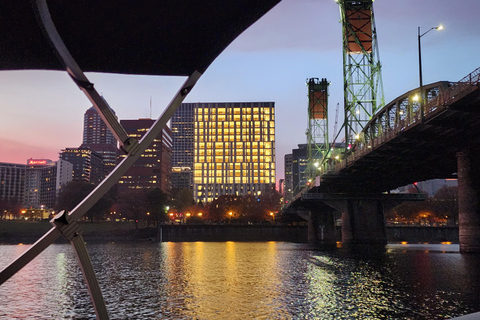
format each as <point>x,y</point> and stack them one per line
<point>317,132</point>
<point>363,85</point>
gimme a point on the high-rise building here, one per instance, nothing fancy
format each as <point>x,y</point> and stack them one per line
<point>12,182</point>
<point>35,184</point>
<point>296,169</point>
<point>43,181</point>
<point>154,167</point>
<point>299,168</point>
<point>64,175</point>
<point>40,184</point>
<point>288,169</point>
<point>98,137</point>
<point>87,164</point>
<point>183,134</point>
<point>234,149</point>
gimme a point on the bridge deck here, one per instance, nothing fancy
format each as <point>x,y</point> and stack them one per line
<point>402,151</point>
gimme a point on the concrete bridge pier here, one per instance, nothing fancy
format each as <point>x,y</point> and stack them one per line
<point>321,226</point>
<point>363,222</point>
<point>363,219</point>
<point>469,201</point>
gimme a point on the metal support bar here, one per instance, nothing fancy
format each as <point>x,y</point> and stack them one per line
<point>72,232</point>
<point>65,224</point>
<point>129,145</point>
<point>48,238</point>
<point>105,185</point>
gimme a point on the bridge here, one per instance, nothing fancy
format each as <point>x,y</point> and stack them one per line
<point>404,142</point>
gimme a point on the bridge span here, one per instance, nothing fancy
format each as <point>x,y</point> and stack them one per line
<point>406,142</point>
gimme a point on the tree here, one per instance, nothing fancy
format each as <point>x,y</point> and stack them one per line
<point>220,208</point>
<point>446,204</point>
<point>9,207</point>
<point>72,193</point>
<point>103,206</point>
<point>75,191</point>
<point>182,199</point>
<point>157,200</point>
<point>133,204</point>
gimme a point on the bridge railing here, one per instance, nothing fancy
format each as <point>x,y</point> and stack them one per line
<point>405,112</point>
<point>456,90</point>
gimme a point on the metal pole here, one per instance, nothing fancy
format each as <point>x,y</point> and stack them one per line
<point>422,104</point>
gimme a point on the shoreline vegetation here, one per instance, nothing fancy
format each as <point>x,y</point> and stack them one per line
<point>27,232</point>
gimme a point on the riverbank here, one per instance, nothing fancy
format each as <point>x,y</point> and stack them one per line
<point>27,232</point>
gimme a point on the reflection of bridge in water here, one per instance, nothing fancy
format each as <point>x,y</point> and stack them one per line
<point>401,145</point>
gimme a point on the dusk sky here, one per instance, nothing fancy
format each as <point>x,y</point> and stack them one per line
<point>42,111</point>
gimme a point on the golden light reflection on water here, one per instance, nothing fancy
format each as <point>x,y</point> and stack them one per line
<point>235,280</point>
<point>225,280</point>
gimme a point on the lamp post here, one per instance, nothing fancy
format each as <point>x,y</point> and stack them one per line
<point>422,98</point>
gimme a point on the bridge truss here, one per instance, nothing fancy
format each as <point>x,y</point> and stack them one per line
<point>363,85</point>
<point>317,133</point>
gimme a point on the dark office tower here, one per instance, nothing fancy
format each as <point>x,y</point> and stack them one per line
<point>12,183</point>
<point>87,164</point>
<point>288,187</point>
<point>299,167</point>
<point>183,134</point>
<point>98,137</point>
<point>154,167</point>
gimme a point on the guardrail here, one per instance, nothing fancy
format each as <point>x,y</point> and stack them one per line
<point>403,113</point>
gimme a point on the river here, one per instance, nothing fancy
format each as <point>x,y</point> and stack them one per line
<point>245,280</point>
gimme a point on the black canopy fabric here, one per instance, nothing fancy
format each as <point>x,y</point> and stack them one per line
<point>151,37</point>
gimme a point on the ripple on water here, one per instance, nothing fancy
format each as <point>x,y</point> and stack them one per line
<point>233,280</point>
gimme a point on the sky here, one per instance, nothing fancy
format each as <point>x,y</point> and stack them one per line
<point>42,111</point>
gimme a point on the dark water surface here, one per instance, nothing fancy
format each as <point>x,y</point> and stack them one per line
<point>239,280</point>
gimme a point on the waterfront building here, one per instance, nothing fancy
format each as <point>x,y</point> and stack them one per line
<point>43,181</point>
<point>182,178</point>
<point>234,149</point>
<point>12,182</point>
<point>98,137</point>
<point>64,175</point>
<point>288,182</point>
<point>183,135</point>
<point>154,167</point>
<point>40,184</point>
<point>299,168</point>
<point>87,164</point>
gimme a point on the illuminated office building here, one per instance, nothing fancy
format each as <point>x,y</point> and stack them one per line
<point>154,167</point>
<point>183,126</point>
<point>234,147</point>
<point>44,180</point>
<point>12,182</point>
<point>87,164</point>
<point>98,137</point>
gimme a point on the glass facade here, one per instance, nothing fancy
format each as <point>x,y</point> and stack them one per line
<point>98,137</point>
<point>153,168</point>
<point>234,149</point>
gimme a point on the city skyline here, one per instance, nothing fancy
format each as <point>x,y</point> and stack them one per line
<point>43,110</point>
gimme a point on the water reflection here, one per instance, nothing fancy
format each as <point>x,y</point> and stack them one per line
<point>219,279</point>
<point>233,280</point>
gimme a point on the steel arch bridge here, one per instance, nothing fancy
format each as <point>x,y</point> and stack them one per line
<point>403,148</point>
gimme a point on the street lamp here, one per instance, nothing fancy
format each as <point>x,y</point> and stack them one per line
<point>422,98</point>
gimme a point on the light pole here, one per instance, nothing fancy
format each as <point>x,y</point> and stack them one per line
<point>422,98</point>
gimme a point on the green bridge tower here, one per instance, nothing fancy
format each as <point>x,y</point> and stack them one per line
<point>363,87</point>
